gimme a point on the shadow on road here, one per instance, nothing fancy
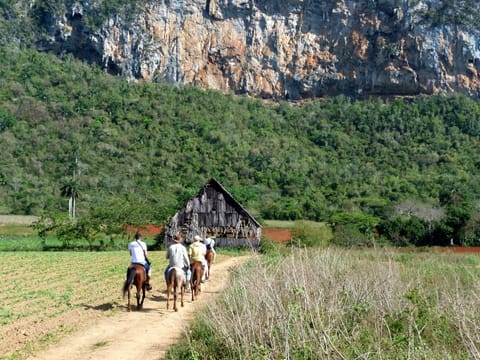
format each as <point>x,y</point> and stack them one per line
<point>102,307</point>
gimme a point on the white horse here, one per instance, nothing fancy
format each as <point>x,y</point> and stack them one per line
<point>176,280</point>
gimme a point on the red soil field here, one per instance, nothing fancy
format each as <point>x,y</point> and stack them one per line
<point>277,235</point>
<point>147,230</point>
<point>460,249</point>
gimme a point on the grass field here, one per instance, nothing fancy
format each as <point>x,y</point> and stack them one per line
<point>51,243</point>
<point>17,225</point>
<point>17,219</point>
<point>344,304</point>
<point>284,224</point>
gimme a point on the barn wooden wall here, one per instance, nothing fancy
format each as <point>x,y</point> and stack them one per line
<point>211,212</point>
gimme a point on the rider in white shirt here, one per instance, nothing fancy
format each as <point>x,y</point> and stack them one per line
<point>177,257</point>
<point>210,244</point>
<point>138,253</point>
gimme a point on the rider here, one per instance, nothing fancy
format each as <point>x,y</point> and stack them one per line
<point>177,257</point>
<point>210,244</point>
<point>138,253</point>
<point>197,251</point>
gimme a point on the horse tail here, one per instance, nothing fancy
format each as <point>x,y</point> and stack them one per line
<point>171,275</point>
<point>131,272</point>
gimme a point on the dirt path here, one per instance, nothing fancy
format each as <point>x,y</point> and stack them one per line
<point>141,335</point>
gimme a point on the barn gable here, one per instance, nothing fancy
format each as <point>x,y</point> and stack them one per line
<point>214,212</point>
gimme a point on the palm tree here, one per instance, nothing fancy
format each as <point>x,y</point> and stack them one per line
<point>70,190</point>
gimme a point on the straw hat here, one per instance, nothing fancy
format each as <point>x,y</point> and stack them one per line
<point>198,238</point>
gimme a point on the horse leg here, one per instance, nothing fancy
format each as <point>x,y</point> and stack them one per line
<point>210,264</point>
<point>139,306</point>
<point>143,296</point>
<point>169,292</point>
<point>193,288</point>
<point>182,292</point>
<point>175,296</point>
<point>196,280</point>
<point>199,283</point>
<point>128,304</point>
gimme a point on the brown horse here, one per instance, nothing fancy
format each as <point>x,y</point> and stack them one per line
<point>135,276</point>
<point>175,280</point>
<point>196,279</point>
<point>209,256</point>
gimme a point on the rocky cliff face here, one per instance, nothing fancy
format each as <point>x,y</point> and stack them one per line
<point>289,49</point>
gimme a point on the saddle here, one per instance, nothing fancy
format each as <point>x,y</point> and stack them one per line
<point>138,264</point>
<point>175,267</point>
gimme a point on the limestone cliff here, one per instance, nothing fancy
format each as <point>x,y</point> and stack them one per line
<point>283,48</point>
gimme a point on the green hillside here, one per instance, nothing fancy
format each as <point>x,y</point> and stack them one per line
<point>152,146</point>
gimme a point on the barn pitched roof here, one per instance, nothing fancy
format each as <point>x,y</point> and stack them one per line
<point>214,210</point>
<point>229,198</point>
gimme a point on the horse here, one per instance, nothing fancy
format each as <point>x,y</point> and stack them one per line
<point>209,256</point>
<point>196,279</point>
<point>175,279</point>
<point>137,276</point>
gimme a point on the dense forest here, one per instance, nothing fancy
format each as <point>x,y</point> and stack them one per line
<point>406,170</point>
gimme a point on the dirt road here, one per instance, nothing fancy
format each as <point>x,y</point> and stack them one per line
<point>145,334</point>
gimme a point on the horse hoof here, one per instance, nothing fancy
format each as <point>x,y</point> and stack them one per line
<point>176,310</point>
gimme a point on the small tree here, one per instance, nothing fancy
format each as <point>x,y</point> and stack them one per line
<point>353,229</point>
<point>70,190</point>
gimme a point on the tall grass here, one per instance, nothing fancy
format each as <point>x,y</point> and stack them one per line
<point>345,304</point>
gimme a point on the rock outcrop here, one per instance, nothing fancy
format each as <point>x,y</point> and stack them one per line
<point>289,49</point>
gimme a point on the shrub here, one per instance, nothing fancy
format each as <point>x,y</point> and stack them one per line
<point>349,235</point>
<point>310,234</point>
<point>268,247</point>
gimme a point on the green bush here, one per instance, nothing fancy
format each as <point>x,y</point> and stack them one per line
<point>308,234</point>
<point>268,247</point>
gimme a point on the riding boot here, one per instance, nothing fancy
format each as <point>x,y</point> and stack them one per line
<point>147,283</point>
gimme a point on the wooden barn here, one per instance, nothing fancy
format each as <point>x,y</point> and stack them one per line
<point>214,212</point>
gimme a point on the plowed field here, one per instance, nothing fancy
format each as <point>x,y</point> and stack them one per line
<point>46,296</point>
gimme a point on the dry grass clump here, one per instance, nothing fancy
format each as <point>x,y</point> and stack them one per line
<point>347,304</point>
<point>17,219</point>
